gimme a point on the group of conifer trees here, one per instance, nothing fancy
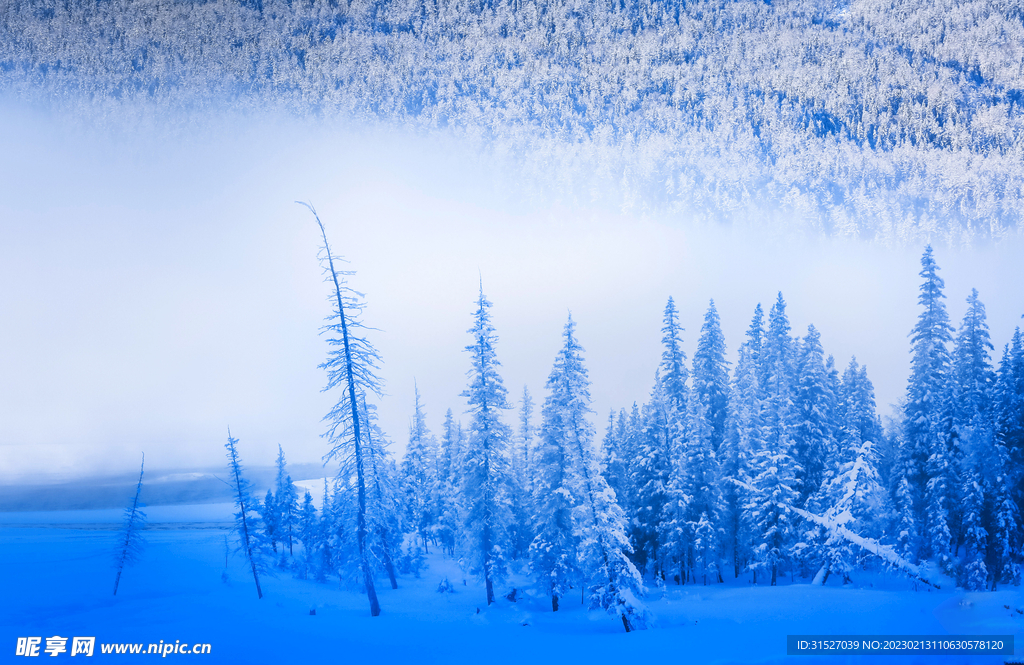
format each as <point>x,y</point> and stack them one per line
<point>716,473</point>
<point>778,467</point>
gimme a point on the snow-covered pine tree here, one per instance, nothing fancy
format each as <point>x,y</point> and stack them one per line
<point>649,471</point>
<point>351,366</point>
<point>553,553</point>
<point>971,413</point>
<point>926,456</point>
<point>285,509</point>
<point>617,454</point>
<point>131,542</point>
<point>856,403</point>
<point>417,475</point>
<point>485,471</point>
<point>693,497</point>
<point>324,556</point>
<point>974,573</point>
<point>269,518</point>
<point>1005,511</point>
<point>1004,521</point>
<point>973,377</point>
<point>853,499</point>
<point>450,479</point>
<point>711,374</point>
<point>247,527</point>
<point>522,532</point>
<point>742,441</point>
<point>382,515</point>
<point>599,525</point>
<point>307,534</point>
<point>814,412</point>
<point>672,369</point>
<point>773,469</point>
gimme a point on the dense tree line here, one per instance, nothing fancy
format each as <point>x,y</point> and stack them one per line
<point>776,468</point>
<point>888,119</point>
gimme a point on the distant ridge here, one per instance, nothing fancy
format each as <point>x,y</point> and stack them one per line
<point>896,120</point>
<point>162,489</point>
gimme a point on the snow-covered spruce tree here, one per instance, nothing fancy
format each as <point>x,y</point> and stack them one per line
<point>286,499</point>
<point>599,525</point>
<point>856,404</point>
<point>971,413</point>
<point>1011,422</point>
<point>307,535</point>
<point>649,471</point>
<point>1007,432</point>
<point>351,366</point>
<point>1004,522</point>
<point>694,501</point>
<point>926,458</point>
<point>269,518</point>
<point>618,453</point>
<point>130,542</point>
<point>853,498</point>
<point>251,542</point>
<point>382,518</point>
<point>711,374</point>
<point>974,573</point>
<point>814,415</point>
<point>450,482</point>
<point>674,374</point>
<point>554,558</point>
<point>973,377</point>
<point>773,469</point>
<point>417,475</point>
<point>485,463</point>
<point>323,558</point>
<point>742,441</point>
<point>522,528</point>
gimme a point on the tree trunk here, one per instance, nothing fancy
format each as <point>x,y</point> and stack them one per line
<point>554,603</point>
<point>389,565</point>
<point>364,561</point>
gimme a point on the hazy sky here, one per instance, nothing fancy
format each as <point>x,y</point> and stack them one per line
<point>155,290</point>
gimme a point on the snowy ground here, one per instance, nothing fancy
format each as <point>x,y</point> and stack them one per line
<point>57,580</point>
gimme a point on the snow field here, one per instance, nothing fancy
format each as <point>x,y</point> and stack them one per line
<point>58,581</point>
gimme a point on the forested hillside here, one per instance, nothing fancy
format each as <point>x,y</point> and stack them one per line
<point>887,119</point>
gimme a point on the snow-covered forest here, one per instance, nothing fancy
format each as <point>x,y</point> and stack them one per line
<point>776,469</point>
<point>497,172</point>
<point>890,120</point>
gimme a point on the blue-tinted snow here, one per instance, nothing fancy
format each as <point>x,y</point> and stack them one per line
<point>60,582</point>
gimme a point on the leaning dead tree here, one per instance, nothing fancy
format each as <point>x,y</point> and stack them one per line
<point>351,365</point>
<point>248,536</point>
<point>131,542</point>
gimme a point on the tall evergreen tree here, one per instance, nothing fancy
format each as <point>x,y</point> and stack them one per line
<point>773,468</point>
<point>927,458</point>
<point>814,415</point>
<point>674,374</point>
<point>521,530</point>
<point>417,475</point>
<point>973,377</point>
<point>450,479</point>
<point>485,480</point>
<point>599,525</point>
<point>711,374</point>
<point>742,442</point>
